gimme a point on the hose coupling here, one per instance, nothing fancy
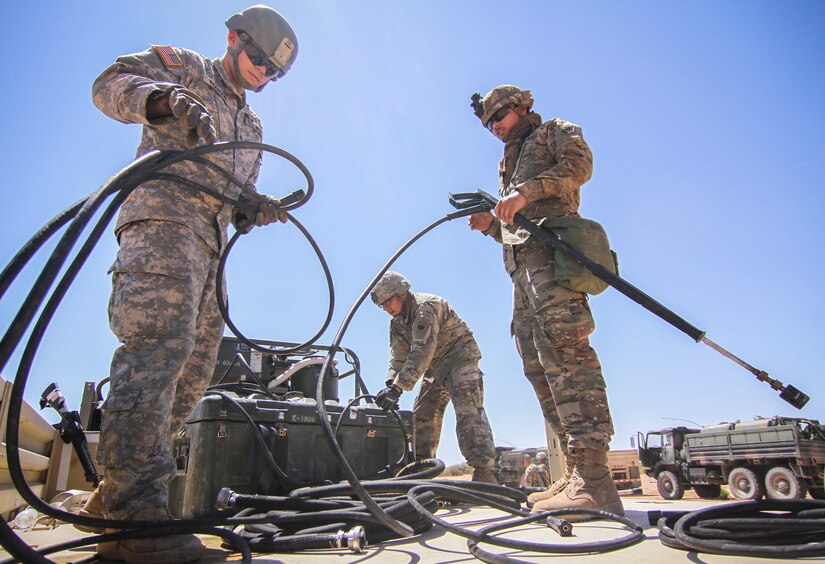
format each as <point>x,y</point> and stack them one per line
<point>226,499</point>
<point>355,539</point>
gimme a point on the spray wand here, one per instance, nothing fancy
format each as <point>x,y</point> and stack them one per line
<point>482,201</point>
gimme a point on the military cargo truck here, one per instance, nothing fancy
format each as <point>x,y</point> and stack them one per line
<point>777,457</point>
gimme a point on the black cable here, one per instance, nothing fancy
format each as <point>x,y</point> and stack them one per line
<point>121,183</point>
<point>33,245</point>
<point>402,426</point>
<point>224,306</point>
<point>457,490</point>
<point>230,538</point>
<point>432,467</point>
<point>484,535</point>
<point>280,474</point>
<point>474,537</point>
<point>720,529</point>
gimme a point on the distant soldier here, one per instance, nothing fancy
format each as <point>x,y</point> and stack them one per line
<point>526,461</point>
<point>428,341</point>
<point>541,172</point>
<point>537,474</point>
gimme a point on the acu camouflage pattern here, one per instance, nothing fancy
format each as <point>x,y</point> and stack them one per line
<point>433,343</point>
<point>537,476</point>
<point>551,324</point>
<point>163,307</point>
<point>122,91</point>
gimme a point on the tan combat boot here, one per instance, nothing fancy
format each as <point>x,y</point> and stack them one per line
<point>484,475</point>
<point>92,508</point>
<point>170,549</point>
<point>590,487</point>
<point>558,486</point>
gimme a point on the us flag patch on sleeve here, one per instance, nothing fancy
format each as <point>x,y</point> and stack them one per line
<point>168,55</point>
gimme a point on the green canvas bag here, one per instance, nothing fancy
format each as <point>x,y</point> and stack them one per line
<point>589,238</point>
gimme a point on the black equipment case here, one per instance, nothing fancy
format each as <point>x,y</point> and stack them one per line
<point>219,448</point>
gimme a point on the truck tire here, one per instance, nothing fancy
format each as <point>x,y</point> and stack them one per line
<point>708,491</point>
<point>669,485</point>
<point>781,483</point>
<point>745,484</point>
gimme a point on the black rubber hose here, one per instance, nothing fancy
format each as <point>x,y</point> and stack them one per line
<point>484,535</point>
<point>484,492</point>
<point>32,302</point>
<point>224,306</point>
<point>686,528</point>
<point>33,245</point>
<point>279,473</point>
<point>405,436</point>
<point>284,503</point>
<point>524,517</point>
<point>230,538</point>
<point>123,181</point>
<point>432,467</point>
<point>290,525</point>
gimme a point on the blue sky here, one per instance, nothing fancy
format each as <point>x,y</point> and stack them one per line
<point>705,119</point>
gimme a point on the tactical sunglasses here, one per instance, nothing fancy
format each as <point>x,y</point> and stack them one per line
<point>498,116</point>
<point>258,58</point>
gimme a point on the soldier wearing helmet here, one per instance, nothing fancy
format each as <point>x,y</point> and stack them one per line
<point>544,165</point>
<point>430,342</point>
<point>164,308</point>
<point>537,475</point>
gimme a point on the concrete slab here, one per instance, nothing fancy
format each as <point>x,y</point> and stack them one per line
<point>441,546</point>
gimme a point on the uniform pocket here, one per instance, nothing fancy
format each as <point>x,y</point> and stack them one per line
<point>121,401</point>
<point>567,325</point>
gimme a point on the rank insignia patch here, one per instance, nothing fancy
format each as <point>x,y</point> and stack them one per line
<point>168,55</point>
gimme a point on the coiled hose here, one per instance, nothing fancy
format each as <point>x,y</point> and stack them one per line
<point>772,528</point>
<point>147,167</point>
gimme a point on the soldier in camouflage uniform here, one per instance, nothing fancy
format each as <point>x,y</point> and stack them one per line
<point>541,173</point>
<point>163,307</point>
<point>428,341</point>
<point>537,475</point>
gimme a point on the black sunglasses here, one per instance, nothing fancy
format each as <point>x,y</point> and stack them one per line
<point>258,58</point>
<point>497,117</point>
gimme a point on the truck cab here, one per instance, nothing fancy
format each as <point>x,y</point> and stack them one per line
<point>662,455</point>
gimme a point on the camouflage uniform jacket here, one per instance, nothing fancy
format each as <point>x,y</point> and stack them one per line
<point>431,339</point>
<point>122,91</point>
<point>537,476</point>
<point>553,164</point>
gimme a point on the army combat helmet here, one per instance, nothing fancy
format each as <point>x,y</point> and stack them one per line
<point>268,33</point>
<point>500,97</point>
<point>391,284</point>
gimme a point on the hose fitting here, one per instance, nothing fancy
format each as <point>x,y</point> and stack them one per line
<point>355,539</point>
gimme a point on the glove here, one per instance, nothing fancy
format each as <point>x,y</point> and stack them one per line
<point>193,117</point>
<point>269,212</point>
<point>388,397</point>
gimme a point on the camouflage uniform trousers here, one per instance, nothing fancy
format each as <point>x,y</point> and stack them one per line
<point>464,385</point>
<point>551,325</point>
<point>163,309</point>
